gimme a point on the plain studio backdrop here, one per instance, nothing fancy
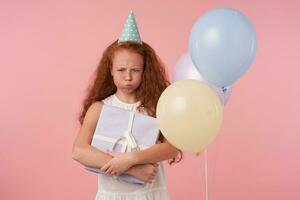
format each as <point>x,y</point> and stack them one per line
<point>49,50</point>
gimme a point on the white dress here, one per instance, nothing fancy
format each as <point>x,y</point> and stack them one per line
<point>110,188</point>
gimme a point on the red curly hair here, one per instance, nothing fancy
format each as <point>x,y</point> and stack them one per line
<point>154,80</point>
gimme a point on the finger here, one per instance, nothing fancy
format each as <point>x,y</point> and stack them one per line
<point>105,167</point>
<point>109,171</point>
<point>154,171</point>
<point>112,173</point>
<point>154,164</point>
<point>151,177</point>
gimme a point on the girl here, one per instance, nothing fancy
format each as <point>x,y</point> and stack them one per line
<point>129,75</point>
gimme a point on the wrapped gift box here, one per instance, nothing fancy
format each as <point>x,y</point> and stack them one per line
<point>122,130</point>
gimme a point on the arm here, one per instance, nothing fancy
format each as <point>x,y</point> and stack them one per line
<point>82,151</point>
<point>123,161</point>
<point>156,153</point>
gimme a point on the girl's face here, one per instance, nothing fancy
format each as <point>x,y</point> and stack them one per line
<point>127,70</point>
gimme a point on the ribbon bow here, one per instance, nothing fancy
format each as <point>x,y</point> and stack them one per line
<point>130,142</point>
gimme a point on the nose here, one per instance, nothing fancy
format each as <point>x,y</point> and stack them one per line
<point>128,76</point>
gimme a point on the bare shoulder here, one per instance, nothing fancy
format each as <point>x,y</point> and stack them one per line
<point>93,111</point>
<point>92,116</point>
<point>87,129</point>
<point>95,107</point>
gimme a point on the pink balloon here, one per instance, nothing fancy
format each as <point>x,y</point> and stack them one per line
<point>185,69</point>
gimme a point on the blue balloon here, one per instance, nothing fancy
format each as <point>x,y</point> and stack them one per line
<point>222,46</point>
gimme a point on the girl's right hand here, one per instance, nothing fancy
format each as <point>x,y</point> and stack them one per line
<point>144,172</point>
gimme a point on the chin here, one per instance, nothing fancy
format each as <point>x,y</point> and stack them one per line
<point>129,91</point>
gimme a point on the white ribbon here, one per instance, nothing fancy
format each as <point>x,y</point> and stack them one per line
<point>112,140</point>
<point>130,143</point>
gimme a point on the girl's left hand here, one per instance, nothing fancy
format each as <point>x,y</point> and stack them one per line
<point>119,164</point>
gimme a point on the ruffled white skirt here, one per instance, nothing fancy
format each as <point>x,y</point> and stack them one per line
<point>110,188</point>
<point>155,194</point>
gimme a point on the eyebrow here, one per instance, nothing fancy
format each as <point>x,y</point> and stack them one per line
<point>133,67</point>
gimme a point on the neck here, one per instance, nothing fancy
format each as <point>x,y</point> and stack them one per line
<point>127,98</point>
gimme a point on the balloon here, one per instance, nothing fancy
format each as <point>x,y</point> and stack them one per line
<point>185,69</point>
<point>222,44</point>
<point>189,114</point>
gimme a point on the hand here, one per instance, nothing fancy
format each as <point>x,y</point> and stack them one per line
<point>144,172</point>
<point>120,163</point>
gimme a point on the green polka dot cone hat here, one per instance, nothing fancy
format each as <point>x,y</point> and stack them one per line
<point>130,31</point>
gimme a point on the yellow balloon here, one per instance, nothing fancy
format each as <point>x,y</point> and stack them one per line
<point>189,114</point>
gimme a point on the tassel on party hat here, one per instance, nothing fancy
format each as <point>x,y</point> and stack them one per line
<point>130,31</point>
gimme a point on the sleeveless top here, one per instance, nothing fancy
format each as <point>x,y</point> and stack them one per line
<point>110,188</point>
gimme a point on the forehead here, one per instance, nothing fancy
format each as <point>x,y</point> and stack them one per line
<point>126,57</point>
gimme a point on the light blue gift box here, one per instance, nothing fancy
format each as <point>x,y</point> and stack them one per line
<point>122,130</point>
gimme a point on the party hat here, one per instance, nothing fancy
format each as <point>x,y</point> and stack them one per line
<point>130,31</point>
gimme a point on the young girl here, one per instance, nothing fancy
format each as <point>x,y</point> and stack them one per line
<point>131,76</point>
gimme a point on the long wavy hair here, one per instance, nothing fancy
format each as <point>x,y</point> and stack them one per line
<point>154,81</point>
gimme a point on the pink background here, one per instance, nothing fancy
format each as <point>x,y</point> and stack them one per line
<point>50,49</point>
